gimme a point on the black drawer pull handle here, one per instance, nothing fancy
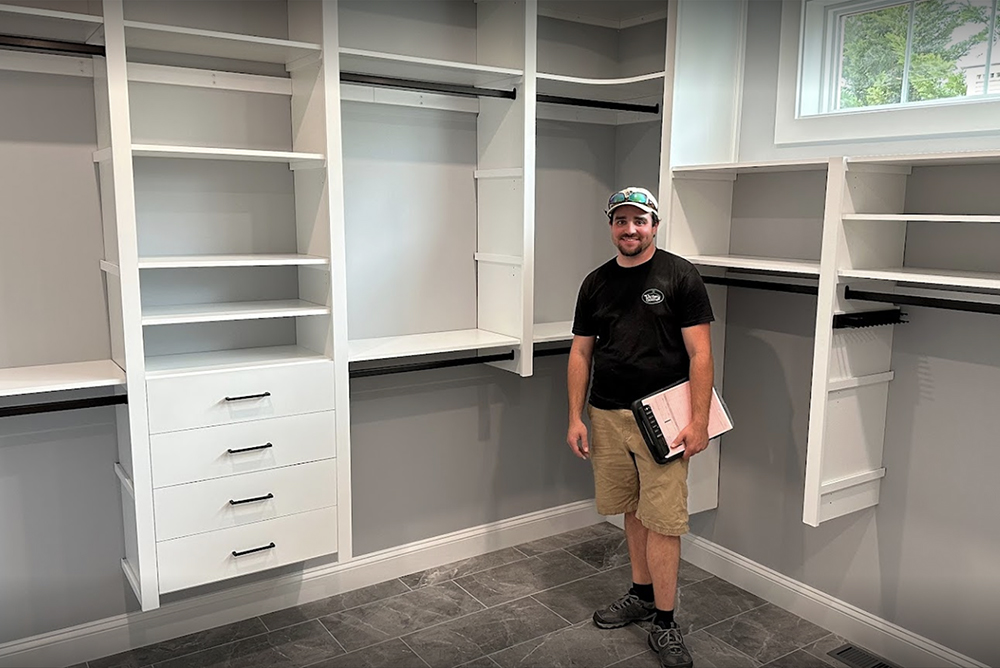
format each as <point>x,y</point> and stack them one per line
<point>236,451</point>
<point>251,551</point>
<point>256,498</point>
<point>249,396</point>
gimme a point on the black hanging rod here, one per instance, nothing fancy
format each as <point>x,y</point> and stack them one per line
<point>70,405</point>
<point>599,104</point>
<point>761,285</point>
<point>426,366</point>
<point>429,86</point>
<point>50,46</point>
<point>857,319</point>
<point>917,300</point>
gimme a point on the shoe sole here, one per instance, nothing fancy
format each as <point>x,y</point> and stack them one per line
<point>606,625</point>
<point>649,641</point>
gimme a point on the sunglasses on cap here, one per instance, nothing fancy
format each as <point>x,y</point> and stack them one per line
<point>634,196</point>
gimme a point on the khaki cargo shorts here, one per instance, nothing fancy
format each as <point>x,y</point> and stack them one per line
<point>627,479</point>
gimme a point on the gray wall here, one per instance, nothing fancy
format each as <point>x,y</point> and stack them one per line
<point>439,451</point>
<point>924,558</point>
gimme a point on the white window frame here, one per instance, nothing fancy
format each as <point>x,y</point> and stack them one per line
<point>802,93</point>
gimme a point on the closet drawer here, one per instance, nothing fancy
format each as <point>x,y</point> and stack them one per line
<point>183,510</point>
<point>201,454</point>
<point>209,557</point>
<point>203,400</point>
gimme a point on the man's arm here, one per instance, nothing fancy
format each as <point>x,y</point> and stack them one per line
<point>577,380</point>
<point>701,374</point>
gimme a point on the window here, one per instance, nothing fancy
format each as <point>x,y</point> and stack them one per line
<point>870,54</point>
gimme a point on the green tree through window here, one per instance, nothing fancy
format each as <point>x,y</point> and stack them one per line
<point>876,61</point>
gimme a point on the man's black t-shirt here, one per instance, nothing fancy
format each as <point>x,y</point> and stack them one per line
<point>637,314</point>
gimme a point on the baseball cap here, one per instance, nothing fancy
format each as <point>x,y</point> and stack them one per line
<point>634,196</point>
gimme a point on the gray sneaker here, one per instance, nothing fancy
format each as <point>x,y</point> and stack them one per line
<point>629,608</point>
<point>669,646</point>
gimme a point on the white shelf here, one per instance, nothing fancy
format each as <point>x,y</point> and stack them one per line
<point>176,39</point>
<point>376,63</point>
<point>735,168</point>
<point>48,24</point>
<point>225,312</point>
<point>166,366</point>
<point>550,332</point>
<point>59,377</point>
<point>425,344</point>
<point>930,159</point>
<point>627,89</point>
<point>766,264</point>
<point>920,218</point>
<point>209,153</point>
<point>935,277</point>
<point>202,261</point>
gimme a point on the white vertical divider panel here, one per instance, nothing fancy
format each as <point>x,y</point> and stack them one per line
<point>505,208</point>
<point>823,340</point>
<point>530,97</point>
<point>851,374</point>
<point>696,213</point>
<point>139,563</point>
<point>322,118</point>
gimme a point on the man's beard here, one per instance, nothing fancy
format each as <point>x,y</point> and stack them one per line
<point>632,253</point>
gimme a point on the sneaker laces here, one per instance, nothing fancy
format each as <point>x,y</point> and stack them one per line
<point>624,602</point>
<point>670,640</point>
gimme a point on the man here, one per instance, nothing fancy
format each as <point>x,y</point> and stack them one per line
<point>643,318</point>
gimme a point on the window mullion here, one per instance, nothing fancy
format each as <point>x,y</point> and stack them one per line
<point>989,48</point>
<point>904,95</point>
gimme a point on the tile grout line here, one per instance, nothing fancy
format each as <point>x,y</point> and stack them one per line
<point>734,648</point>
<point>415,653</point>
<point>330,633</point>
<point>532,597</point>
<point>485,607</point>
<point>596,570</point>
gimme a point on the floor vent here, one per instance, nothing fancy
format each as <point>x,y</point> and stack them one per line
<point>859,658</point>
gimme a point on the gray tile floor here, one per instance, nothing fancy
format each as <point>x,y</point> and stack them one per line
<point>528,606</point>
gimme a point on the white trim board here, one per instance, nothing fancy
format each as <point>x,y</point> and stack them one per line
<point>123,632</point>
<point>867,630</point>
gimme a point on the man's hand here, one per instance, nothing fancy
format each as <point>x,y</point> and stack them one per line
<point>576,437</point>
<point>694,437</point>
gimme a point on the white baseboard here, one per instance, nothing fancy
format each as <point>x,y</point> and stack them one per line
<point>875,634</point>
<point>123,632</point>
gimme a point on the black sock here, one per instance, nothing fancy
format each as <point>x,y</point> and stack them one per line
<point>644,592</point>
<point>664,618</point>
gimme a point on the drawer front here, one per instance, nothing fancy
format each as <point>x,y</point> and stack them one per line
<point>202,454</point>
<point>183,510</point>
<point>223,397</point>
<point>208,557</point>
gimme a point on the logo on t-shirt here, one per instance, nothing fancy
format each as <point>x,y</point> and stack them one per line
<point>652,296</point>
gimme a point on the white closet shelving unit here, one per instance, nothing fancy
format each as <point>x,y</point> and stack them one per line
<point>41,23</point>
<point>920,226</point>
<point>588,54</point>
<point>23,370</point>
<point>219,155</point>
<point>743,222</point>
<point>438,228</point>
